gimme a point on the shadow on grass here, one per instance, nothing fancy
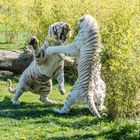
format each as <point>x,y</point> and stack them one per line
<point>120,132</point>
<point>11,77</point>
<point>108,134</point>
<point>25,110</point>
<point>76,119</point>
<point>37,110</point>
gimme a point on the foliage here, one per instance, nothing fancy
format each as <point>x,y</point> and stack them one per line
<point>121,63</point>
<point>118,21</point>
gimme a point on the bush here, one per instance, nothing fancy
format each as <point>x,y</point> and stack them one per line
<point>118,20</point>
<point>121,65</point>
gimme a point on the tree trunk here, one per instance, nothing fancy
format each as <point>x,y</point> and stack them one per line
<point>17,62</point>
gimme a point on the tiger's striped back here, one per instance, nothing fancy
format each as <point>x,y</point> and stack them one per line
<point>88,62</point>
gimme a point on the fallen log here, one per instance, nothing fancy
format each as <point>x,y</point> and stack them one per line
<point>17,61</point>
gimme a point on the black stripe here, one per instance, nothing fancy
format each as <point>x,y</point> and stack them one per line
<point>56,73</point>
<point>43,54</point>
<point>91,39</point>
<point>55,31</point>
<point>37,56</point>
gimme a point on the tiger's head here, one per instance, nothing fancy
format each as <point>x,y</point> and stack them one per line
<point>59,32</point>
<point>87,22</point>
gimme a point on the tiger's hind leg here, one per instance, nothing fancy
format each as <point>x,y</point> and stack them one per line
<point>91,104</point>
<point>18,93</point>
<point>45,90</point>
<point>46,100</point>
<point>70,100</point>
<point>101,96</point>
<point>100,104</point>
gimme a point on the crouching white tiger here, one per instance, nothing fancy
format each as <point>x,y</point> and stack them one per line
<point>37,76</point>
<point>86,47</point>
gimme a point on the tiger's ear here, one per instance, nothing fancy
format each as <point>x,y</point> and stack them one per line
<point>81,19</point>
<point>68,27</point>
<point>51,32</point>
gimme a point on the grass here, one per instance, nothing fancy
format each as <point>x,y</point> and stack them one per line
<point>8,47</point>
<point>19,45</point>
<point>33,120</point>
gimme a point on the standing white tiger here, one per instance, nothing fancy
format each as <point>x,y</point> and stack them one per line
<point>86,47</point>
<point>37,76</point>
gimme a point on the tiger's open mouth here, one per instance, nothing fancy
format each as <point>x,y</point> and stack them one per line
<point>63,37</point>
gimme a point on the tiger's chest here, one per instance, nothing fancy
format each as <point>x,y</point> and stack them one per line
<point>50,65</point>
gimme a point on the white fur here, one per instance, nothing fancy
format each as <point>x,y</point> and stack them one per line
<point>37,76</point>
<point>86,48</point>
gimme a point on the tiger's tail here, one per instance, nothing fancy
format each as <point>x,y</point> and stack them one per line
<point>10,89</point>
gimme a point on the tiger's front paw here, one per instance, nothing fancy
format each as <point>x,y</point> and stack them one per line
<point>33,41</point>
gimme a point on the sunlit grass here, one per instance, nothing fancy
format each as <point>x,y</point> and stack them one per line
<point>33,120</point>
<point>9,47</point>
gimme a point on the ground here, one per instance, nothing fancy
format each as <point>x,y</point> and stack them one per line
<point>33,120</point>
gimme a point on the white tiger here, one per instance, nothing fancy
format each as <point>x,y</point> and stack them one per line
<point>86,47</point>
<point>37,76</point>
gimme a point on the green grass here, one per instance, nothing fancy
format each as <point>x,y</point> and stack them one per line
<point>18,45</point>
<point>8,47</point>
<point>33,120</point>
<point>2,28</point>
<point>2,38</point>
